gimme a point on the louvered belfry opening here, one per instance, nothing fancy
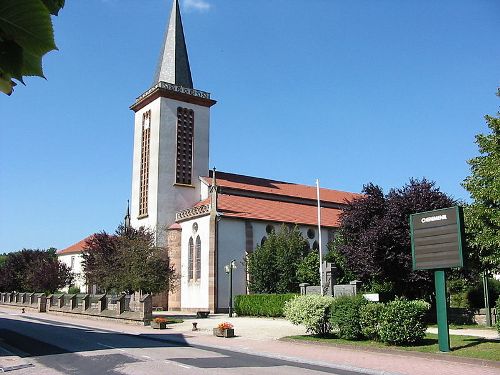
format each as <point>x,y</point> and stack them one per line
<point>185,130</point>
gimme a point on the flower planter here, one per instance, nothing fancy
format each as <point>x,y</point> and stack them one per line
<point>228,332</point>
<point>161,325</point>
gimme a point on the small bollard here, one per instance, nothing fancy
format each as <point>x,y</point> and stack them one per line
<point>195,326</point>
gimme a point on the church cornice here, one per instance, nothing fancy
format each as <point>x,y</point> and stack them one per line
<point>192,212</point>
<point>175,92</point>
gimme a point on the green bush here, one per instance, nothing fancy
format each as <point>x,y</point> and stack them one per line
<point>402,322</point>
<point>313,311</point>
<point>73,289</point>
<point>307,271</point>
<point>345,314</point>
<point>261,304</point>
<point>369,320</point>
<point>498,314</point>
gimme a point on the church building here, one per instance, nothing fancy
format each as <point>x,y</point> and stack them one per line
<point>207,218</point>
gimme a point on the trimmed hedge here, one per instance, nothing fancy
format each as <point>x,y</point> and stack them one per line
<point>261,304</point>
<point>369,320</point>
<point>402,322</point>
<point>313,311</point>
<point>345,316</point>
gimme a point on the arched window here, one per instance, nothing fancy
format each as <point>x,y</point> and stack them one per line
<point>198,258</point>
<point>190,259</point>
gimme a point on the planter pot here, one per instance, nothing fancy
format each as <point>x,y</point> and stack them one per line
<point>229,332</point>
<point>156,325</point>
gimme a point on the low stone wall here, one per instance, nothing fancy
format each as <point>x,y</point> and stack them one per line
<point>127,307</point>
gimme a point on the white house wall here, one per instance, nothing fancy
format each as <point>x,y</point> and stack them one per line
<point>194,294</point>
<point>77,270</point>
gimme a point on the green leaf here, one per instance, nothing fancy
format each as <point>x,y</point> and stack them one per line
<point>28,23</point>
<point>32,65</point>
<point>54,6</point>
<point>6,84</point>
<point>11,59</point>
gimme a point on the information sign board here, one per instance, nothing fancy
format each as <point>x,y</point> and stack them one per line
<point>436,238</point>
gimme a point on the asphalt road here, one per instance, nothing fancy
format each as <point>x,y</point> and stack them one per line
<point>52,347</point>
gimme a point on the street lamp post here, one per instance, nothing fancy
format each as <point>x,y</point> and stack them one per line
<point>229,270</point>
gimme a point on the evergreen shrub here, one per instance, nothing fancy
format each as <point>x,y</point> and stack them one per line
<point>261,304</point>
<point>345,316</point>
<point>402,322</point>
<point>475,294</point>
<point>313,311</point>
<point>369,319</point>
<point>73,289</point>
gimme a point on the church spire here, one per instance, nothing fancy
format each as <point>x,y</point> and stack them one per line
<point>173,65</point>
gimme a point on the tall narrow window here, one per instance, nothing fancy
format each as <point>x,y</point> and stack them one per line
<point>185,129</point>
<point>198,258</point>
<point>190,259</point>
<point>144,173</point>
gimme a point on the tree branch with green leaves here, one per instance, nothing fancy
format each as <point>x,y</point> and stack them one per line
<point>26,35</point>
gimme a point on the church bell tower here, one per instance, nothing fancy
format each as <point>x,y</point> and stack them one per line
<point>171,137</point>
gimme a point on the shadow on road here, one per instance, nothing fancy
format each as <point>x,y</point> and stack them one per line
<point>36,338</point>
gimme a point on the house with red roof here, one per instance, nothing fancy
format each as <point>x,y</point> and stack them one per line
<point>72,257</point>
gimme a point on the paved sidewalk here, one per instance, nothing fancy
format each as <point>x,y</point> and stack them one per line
<point>260,336</point>
<point>491,334</point>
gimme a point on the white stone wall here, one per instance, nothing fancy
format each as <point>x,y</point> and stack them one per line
<point>194,294</point>
<point>151,220</point>
<point>231,245</point>
<point>165,197</point>
<point>259,231</point>
<point>77,270</point>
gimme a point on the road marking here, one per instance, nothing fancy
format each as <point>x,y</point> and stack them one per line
<point>178,364</point>
<point>110,347</point>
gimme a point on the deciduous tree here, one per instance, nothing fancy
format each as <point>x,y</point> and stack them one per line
<point>127,261</point>
<point>482,217</point>
<point>273,265</point>
<point>375,236</point>
<point>33,271</point>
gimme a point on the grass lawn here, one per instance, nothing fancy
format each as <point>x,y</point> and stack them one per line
<point>467,326</point>
<point>462,346</point>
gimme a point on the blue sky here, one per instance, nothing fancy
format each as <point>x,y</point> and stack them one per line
<point>346,91</point>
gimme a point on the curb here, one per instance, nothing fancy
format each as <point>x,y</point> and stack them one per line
<point>436,356</point>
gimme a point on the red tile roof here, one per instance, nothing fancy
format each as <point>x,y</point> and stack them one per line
<point>272,210</point>
<point>75,248</point>
<point>262,185</point>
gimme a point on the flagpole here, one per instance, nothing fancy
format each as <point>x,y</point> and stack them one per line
<point>319,238</point>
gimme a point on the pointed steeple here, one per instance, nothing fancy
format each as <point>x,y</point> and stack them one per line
<point>173,65</point>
